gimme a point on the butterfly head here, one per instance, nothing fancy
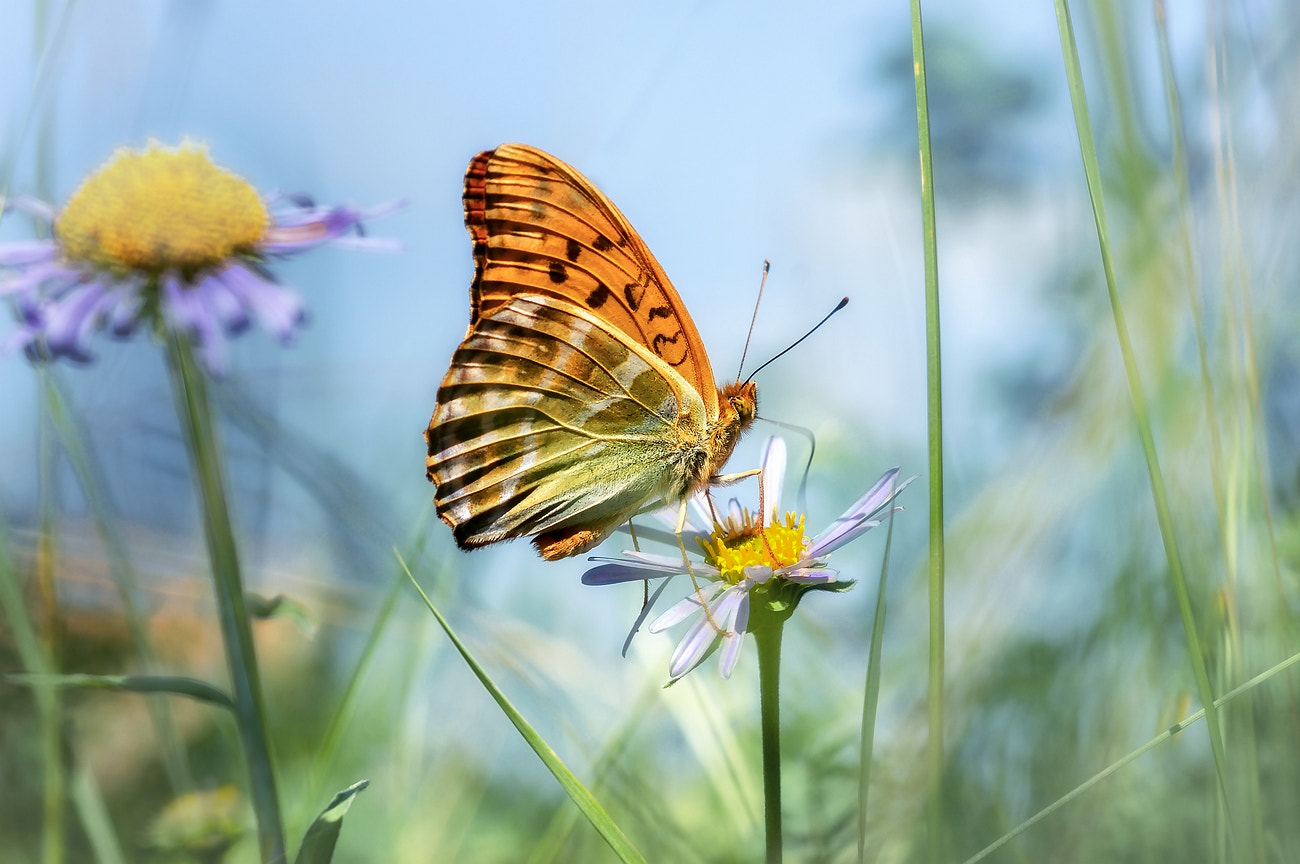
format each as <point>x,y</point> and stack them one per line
<point>742,400</point>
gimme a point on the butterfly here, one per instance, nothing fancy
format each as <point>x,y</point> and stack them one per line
<point>582,392</point>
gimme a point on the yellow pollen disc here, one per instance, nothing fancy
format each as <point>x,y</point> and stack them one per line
<point>733,547</point>
<point>161,209</point>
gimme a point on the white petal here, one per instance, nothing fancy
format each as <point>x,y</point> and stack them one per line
<point>691,650</point>
<point>678,612</point>
<point>730,653</point>
<point>774,459</point>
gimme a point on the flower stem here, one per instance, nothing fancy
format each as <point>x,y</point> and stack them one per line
<point>768,639</point>
<point>190,392</point>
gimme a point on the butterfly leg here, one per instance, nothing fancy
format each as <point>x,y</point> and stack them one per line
<point>727,479</point>
<point>699,592</point>
<point>645,584</point>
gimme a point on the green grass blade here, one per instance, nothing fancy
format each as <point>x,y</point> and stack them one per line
<point>1092,170</point>
<point>1125,760</point>
<point>572,786</point>
<point>95,820</point>
<point>871,696</point>
<point>342,715</point>
<point>173,685</point>
<point>68,431</point>
<point>1187,231</point>
<point>49,52</point>
<point>51,705</point>
<point>934,402</point>
<point>548,847</point>
<point>85,795</point>
<point>319,841</point>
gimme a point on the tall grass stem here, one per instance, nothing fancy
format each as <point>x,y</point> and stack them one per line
<point>934,412</point>
<point>51,703</point>
<point>871,696</point>
<point>192,404</point>
<point>1092,170</point>
<point>578,793</point>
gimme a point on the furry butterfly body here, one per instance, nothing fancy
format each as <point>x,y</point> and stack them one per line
<point>582,392</point>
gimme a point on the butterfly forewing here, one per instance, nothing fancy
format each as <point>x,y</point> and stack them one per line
<point>539,224</point>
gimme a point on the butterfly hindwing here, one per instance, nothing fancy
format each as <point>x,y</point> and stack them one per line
<point>550,419</point>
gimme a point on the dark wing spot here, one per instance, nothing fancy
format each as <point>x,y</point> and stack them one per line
<point>572,250</point>
<point>558,274</point>
<point>661,312</point>
<point>602,244</point>
<point>662,343</point>
<point>599,297</point>
<point>635,294</point>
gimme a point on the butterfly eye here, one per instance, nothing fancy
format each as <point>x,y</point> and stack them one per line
<point>744,408</point>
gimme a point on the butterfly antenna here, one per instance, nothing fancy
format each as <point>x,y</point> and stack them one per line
<point>802,494</point>
<point>838,307</point>
<point>767,265</point>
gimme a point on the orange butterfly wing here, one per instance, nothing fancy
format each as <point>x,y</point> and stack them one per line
<point>540,227</point>
<point>582,391</point>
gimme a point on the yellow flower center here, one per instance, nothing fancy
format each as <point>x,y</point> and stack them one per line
<point>161,209</point>
<point>737,544</point>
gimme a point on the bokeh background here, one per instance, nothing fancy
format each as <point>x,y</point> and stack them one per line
<point>728,133</point>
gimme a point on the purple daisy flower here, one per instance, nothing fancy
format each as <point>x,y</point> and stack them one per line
<point>165,238</point>
<point>743,562</point>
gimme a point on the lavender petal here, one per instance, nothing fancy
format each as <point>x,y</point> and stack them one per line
<point>875,498</point>
<point>124,316</point>
<point>225,306</point>
<point>812,575</point>
<point>38,273</point>
<point>32,207</point>
<point>279,310</point>
<point>69,322</point>
<point>27,252</point>
<point>616,574</point>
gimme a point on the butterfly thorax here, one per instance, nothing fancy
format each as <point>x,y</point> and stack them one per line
<point>737,406</point>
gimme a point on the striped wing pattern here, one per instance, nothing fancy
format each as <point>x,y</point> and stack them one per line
<point>538,223</point>
<point>549,418</point>
<point>582,392</point>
